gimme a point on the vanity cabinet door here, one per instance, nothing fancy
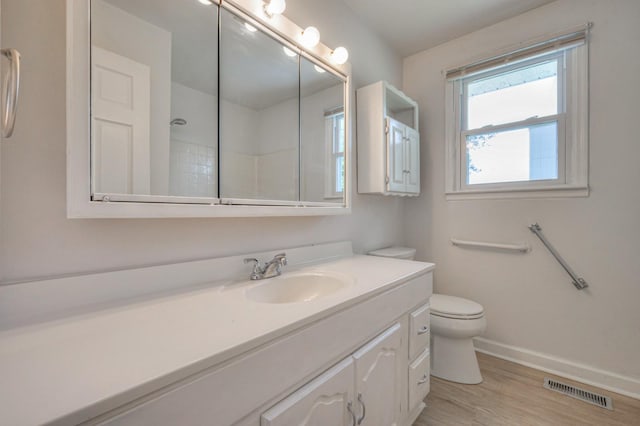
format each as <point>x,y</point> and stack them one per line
<point>326,400</point>
<point>379,384</point>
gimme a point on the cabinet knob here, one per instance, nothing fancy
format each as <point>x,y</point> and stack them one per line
<point>364,409</point>
<point>423,330</point>
<point>424,379</point>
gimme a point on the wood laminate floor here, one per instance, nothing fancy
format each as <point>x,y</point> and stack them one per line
<point>512,394</point>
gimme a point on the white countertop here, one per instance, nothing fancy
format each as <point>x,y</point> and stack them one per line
<point>72,369</point>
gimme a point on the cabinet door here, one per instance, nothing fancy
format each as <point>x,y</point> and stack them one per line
<point>395,156</point>
<point>379,379</point>
<point>326,400</point>
<point>412,160</point>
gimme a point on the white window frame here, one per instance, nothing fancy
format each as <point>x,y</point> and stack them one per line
<point>332,133</point>
<point>572,119</point>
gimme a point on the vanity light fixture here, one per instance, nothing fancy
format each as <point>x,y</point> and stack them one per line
<point>274,7</point>
<point>319,69</point>
<point>310,37</point>
<point>250,27</point>
<point>339,55</point>
<point>288,51</point>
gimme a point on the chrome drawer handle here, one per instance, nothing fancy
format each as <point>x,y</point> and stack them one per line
<point>424,379</point>
<point>423,330</point>
<point>364,409</point>
<point>353,415</point>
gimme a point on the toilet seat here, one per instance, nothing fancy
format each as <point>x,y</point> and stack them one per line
<point>455,307</point>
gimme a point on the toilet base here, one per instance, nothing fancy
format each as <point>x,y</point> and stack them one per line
<point>455,360</point>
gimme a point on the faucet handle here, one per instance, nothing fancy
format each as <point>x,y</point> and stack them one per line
<point>281,258</point>
<point>255,274</point>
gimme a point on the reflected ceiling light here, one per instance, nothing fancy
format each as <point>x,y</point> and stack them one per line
<point>319,69</point>
<point>310,37</point>
<point>206,2</point>
<point>274,7</point>
<point>339,55</point>
<point>288,51</point>
<point>250,27</point>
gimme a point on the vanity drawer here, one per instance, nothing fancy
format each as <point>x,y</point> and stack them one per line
<point>419,330</point>
<point>419,379</point>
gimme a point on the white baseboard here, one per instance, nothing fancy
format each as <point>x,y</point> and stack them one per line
<point>613,382</point>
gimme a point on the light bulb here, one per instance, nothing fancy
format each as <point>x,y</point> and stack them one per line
<point>339,55</point>
<point>288,51</point>
<point>275,7</point>
<point>310,37</point>
<point>206,2</point>
<point>319,69</point>
<point>250,27</point>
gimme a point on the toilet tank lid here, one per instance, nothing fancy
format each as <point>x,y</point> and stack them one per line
<point>451,305</point>
<point>396,252</point>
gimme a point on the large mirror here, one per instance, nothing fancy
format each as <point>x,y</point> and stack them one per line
<point>154,84</point>
<point>174,119</point>
<point>259,129</point>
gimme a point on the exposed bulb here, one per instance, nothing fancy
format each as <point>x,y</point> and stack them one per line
<point>250,27</point>
<point>310,37</point>
<point>288,51</point>
<point>319,69</point>
<point>206,2</point>
<point>275,7</point>
<point>339,55</point>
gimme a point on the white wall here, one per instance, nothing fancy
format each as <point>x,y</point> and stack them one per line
<point>529,300</point>
<point>127,35</point>
<point>36,238</point>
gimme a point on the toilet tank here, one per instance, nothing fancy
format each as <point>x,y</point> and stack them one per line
<point>395,252</point>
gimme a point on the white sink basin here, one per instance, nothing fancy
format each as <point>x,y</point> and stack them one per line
<point>301,287</point>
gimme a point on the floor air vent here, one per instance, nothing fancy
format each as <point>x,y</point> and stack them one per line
<point>581,394</point>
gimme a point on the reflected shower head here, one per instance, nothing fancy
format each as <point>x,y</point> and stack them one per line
<point>178,122</point>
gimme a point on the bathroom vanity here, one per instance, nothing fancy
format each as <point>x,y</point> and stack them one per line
<point>338,338</point>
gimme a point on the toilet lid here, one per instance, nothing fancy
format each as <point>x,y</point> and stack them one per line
<point>455,307</point>
<point>397,252</point>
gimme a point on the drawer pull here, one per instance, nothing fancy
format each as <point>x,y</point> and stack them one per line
<point>364,409</point>
<point>353,415</point>
<point>424,379</point>
<point>423,330</point>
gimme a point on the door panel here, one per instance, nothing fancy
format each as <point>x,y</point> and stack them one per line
<point>412,160</point>
<point>323,401</point>
<point>378,379</point>
<point>120,124</point>
<point>395,156</point>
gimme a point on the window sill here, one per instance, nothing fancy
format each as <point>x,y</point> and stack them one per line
<point>565,191</point>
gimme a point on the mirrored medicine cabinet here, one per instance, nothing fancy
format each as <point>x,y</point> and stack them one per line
<point>182,109</point>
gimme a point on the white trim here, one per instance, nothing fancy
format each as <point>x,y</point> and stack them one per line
<point>573,129</point>
<point>608,380</point>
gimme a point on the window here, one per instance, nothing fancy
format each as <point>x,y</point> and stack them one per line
<point>517,123</point>
<point>335,160</point>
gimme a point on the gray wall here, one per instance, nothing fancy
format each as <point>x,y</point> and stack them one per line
<point>36,238</point>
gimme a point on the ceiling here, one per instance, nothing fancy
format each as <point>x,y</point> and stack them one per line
<point>410,26</point>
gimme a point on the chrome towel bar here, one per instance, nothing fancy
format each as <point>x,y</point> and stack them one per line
<point>523,248</point>
<point>578,282</point>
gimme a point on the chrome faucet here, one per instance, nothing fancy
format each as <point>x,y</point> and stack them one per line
<point>271,269</point>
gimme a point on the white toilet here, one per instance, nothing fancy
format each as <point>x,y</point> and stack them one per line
<point>454,323</point>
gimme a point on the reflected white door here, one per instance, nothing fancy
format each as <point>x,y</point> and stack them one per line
<point>120,124</point>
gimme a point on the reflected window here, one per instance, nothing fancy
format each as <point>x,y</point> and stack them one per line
<point>335,143</point>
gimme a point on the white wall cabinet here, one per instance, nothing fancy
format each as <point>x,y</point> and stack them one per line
<point>388,141</point>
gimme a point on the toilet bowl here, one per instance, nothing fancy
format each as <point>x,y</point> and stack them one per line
<point>454,323</point>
